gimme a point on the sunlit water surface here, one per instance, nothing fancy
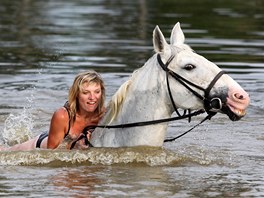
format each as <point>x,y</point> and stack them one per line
<point>44,44</point>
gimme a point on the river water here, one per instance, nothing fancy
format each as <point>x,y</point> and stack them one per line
<point>44,44</point>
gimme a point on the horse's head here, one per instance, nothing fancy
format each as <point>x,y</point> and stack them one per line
<point>196,82</point>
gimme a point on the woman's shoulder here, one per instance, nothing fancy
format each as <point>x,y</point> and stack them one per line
<point>61,114</point>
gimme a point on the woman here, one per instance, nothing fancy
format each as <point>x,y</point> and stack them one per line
<point>85,107</point>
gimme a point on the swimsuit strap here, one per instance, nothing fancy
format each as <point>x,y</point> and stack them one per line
<point>66,106</point>
<point>83,134</point>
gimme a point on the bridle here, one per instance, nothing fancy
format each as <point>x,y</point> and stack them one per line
<point>210,106</point>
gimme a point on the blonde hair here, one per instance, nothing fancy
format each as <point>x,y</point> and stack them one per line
<point>89,77</point>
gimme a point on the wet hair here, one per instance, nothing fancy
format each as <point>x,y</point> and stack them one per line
<point>89,77</point>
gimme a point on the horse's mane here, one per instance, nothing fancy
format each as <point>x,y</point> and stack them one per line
<point>117,99</point>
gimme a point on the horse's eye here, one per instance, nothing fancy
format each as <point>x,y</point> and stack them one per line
<point>189,67</point>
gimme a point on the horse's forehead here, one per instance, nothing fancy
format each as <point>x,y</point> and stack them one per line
<point>184,56</point>
<point>187,54</point>
<point>180,48</point>
<point>190,54</point>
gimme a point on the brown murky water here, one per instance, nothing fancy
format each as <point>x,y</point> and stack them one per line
<point>44,44</point>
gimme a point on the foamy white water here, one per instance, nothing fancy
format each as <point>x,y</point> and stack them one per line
<point>44,44</point>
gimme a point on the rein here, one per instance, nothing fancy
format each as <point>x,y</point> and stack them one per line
<point>145,123</point>
<point>211,106</point>
<point>136,124</point>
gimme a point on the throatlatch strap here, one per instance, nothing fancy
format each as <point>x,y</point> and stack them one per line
<point>170,94</point>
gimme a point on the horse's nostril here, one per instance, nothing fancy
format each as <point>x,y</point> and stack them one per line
<point>239,96</point>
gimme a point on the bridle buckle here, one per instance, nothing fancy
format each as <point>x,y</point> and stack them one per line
<point>215,105</point>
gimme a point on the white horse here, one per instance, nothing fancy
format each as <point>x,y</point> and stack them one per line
<point>194,82</point>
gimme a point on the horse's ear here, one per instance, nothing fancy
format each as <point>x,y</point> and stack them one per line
<point>177,36</point>
<point>159,41</point>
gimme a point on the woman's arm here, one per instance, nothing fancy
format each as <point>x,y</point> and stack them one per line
<point>58,127</point>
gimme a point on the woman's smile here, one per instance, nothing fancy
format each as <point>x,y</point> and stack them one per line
<point>89,96</point>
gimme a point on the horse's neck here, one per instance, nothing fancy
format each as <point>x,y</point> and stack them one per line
<point>146,97</point>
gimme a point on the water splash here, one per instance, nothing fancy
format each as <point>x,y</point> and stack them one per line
<point>18,128</point>
<point>150,156</point>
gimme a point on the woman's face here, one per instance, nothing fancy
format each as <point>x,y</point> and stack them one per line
<point>89,97</point>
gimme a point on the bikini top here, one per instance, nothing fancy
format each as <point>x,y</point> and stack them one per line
<point>66,106</point>
<point>83,135</point>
